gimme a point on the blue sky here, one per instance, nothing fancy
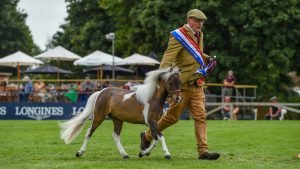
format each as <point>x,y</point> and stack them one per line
<point>44,18</point>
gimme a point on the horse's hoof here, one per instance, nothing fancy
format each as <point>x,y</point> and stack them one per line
<point>168,157</point>
<point>125,157</point>
<point>140,154</point>
<point>78,154</point>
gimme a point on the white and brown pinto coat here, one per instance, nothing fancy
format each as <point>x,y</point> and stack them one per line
<point>143,106</point>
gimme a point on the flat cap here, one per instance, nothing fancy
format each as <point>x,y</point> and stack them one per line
<point>196,13</point>
<point>273,98</point>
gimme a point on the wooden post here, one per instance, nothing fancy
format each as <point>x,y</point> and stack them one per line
<point>58,70</point>
<point>19,71</point>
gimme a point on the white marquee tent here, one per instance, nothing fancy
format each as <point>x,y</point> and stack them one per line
<point>19,59</point>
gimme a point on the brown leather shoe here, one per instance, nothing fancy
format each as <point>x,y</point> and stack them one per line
<point>209,156</point>
<point>144,142</point>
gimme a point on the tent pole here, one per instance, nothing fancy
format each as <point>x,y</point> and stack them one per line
<point>137,72</point>
<point>19,77</point>
<point>57,77</point>
<point>101,75</point>
<point>98,76</point>
<point>19,71</point>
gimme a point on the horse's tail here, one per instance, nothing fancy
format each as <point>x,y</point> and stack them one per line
<point>70,129</point>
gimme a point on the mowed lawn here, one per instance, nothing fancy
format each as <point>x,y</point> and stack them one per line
<point>242,144</point>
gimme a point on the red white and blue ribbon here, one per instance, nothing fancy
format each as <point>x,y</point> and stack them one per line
<point>192,47</point>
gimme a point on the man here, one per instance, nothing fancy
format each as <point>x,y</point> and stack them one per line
<point>229,82</point>
<point>27,90</point>
<point>87,88</point>
<point>191,66</point>
<point>274,111</point>
<point>227,110</point>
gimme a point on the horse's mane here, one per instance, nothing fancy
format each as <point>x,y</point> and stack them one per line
<point>145,92</point>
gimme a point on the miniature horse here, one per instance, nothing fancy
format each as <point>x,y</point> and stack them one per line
<point>143,106</point>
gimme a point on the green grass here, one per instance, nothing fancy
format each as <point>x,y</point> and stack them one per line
<point>242,144</point>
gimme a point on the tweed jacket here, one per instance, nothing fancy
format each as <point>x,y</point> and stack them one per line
<point>177,55</point>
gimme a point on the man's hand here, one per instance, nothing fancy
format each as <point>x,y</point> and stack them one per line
<point>211,63</point>
<point>211,59</point>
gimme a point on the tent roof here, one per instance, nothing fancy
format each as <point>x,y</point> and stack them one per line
<point>97,58</point>
<point>138,59</point>
<point>19,58</point>
<point>47,69</point>
<point>58,53</point>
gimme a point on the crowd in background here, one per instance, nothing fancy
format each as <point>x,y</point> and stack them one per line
<point>39,91</point>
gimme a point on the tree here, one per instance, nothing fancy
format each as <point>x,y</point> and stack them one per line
<point>14,33</point>
<point>85,28</point>
<point>144,26</point>
<point>257,39</point>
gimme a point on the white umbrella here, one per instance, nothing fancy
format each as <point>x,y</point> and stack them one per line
<point>97,58</point>
<point>138,59</point>
<point>19,59</point>
<point>58,53</point>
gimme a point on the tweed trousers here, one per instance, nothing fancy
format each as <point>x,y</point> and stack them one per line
<point>194,100</point>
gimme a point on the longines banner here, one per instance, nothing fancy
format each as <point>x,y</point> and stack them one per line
<point>39,111</point>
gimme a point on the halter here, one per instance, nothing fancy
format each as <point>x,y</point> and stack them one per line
<point>176,92</point>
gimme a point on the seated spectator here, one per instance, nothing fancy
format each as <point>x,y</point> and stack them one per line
<point>106,84</point>
<point>27,90</point>
<point>226,110</point>
<point>3,82</point>
<point>52,93</point>
<point>126,86</point>
<point>40,90</point>
<point>72,94</point>
<point>87,87</point>
<point>77,86</point>
<point>274,111</point>
<point>101,85</point>
<point>228,82</point>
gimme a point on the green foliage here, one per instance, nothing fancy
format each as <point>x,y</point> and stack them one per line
<point>242,144</point>
<point>14,33</point>
<point>257,39</point>
<point>85,28</point>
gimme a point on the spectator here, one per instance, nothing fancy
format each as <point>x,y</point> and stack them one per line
<point>77,86</point>
<point>3,82</point>
<point>274,111</point>
<point>87,87</point>
<point>106,84</point>
<point>72,94</point>
<point>52,93</point>
<point>226,110</point>
<point>228,82</point>
<point>27,90</point>
<point>100,85</point>
<point>40,90</point>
